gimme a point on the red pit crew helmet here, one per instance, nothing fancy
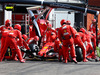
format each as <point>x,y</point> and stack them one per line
<point>25,36</point>
<point>17,26</point>
<point>7,23</point>
<point>62,21</point>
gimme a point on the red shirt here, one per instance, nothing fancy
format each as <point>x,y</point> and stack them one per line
<point>92,28</point>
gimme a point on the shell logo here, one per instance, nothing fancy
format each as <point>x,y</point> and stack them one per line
<point>65,31</point>
<point>11,31</point>
<point>45,47</point>
<point>41,23</point>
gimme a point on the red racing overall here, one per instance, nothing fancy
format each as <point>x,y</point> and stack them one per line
<point>10,40</point>
<point>58,48</point>
<point>65,34</point>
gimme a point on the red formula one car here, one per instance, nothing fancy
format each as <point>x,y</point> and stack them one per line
<point>48,51</point>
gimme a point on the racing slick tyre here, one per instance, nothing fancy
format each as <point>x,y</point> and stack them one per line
<point>79,55</point>
<point>34,48</point>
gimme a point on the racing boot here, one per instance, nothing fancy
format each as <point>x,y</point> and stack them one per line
<point>85,60</point>
<point>65,61</point>
<point>15,58</point>
<point>74,60</point>
<point>22,61</point>
<point>73,55</point>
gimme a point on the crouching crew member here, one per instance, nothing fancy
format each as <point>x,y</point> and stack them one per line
<point>10,41</point>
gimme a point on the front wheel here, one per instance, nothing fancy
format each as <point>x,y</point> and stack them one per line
<point>34,48</point>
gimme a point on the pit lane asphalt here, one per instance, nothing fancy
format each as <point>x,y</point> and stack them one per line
<point>49,68</point>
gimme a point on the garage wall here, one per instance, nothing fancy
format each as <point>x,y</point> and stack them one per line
<point>8,15</point>
<point>90,17</point>
<point>99,22</point>
<point>64,15</point>
<point>59,15</point>
<point>94,2</point>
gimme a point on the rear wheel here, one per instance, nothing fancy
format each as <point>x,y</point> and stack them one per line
<point>79,55</point>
